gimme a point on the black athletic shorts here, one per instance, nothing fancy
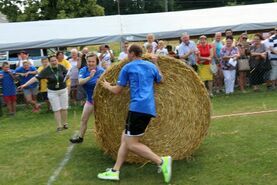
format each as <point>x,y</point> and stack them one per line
<point>136,123</point>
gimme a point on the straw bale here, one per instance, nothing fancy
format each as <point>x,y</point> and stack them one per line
<point>183,112</point>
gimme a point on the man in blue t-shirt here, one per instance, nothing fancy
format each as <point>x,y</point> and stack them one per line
<point>140,75</point>
<point>25,73</point>
<point>88,77</point>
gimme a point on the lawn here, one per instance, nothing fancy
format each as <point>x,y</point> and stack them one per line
<point>238,150</point>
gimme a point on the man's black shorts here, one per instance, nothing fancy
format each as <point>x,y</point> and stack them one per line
<point>136,123</point>
<point>43,96</point>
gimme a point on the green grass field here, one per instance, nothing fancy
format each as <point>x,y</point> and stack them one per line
<point>237,151</point>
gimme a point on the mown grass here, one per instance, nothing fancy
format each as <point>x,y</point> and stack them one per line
<point>237,150</point>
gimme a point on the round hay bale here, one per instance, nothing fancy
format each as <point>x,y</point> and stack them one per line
<point>183,112</point>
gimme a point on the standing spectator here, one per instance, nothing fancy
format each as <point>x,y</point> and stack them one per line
<point>161,51</point>
<point>57,91</point>
<point>151,40</point>
<point>75,63</point>
<point>43,83</point>
<point>88,77</point>
<point>23,56</point>
<point>124,53</point>
<point>243,46</point>
<point>62,61</point>
<point>25,73</point>
<point>229,33</point>
<point>205,56</point>
<point>273,59</point>
<point>105,55</point>
<point>187,50</point>
<point>85,51</point>
<point>257,58</point>
<point>217,46</point>
<point>229,55</point>
<point>8,88</point>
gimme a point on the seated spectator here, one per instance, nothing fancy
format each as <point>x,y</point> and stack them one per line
<point>151,40</point>
<point>43,83</point>
<point>105,54</point>
<point>161,51</point>
<point>8,88</point>
<point>170,51</point>
<point>205,56</point>
<point>23,56</point>
<point>25,73</point>
<point>124,53</point>
<point>218,77</point>
<point>257,58</point>
<point>187,50</point>
<point>229,55</point>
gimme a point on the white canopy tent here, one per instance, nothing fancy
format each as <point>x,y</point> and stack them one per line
<point>105,29</point>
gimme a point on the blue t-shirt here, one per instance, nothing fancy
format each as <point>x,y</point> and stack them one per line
<point>90,85</point>
<point>8,86</point>
<point>23,79</point>
<point>140,75</point>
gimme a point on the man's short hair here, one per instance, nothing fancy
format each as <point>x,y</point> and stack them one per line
<point>136,49</point>
<point>229,29</point>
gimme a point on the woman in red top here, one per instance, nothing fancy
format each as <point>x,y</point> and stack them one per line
<point>205,56</point>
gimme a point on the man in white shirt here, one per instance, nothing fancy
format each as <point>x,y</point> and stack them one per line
<point>23,56</point>
<point>187,50</point>
<point>124,53</point>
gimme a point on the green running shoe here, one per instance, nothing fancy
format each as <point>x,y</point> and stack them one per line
<point>109,175</point>
<point>166,168</point>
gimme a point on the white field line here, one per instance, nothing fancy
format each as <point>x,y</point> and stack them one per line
<point>62,164</point>
<point>243,114</point>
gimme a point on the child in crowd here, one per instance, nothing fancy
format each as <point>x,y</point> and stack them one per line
<point>161,51</point>
<point>8,88</point>
<point>43,83</point>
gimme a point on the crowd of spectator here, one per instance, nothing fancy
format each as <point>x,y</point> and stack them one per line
<point>221,64</point>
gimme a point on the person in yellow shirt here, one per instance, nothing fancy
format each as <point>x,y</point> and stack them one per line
<point>62,61</point>
<point>228,33</point>
<point>43,83</point>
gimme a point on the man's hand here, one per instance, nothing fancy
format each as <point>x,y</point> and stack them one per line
<point>26,74</point>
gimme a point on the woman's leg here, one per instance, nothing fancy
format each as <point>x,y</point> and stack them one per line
<point>58,118</point>
<point>87,111</point>
<point>232,80</point>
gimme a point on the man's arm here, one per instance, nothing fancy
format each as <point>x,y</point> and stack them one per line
<point>154,58</point>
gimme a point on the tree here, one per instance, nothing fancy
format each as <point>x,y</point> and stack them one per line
<point>32,10</point>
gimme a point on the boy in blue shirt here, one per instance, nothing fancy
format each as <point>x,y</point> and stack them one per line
<point>88,77</point>
<point>25,73</point>
<point>8,88</point>
<point>140,75</point>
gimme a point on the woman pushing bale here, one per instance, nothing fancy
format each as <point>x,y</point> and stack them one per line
<point>181,122</point>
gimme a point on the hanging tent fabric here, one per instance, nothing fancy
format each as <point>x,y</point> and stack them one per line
<point>106,29</point>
